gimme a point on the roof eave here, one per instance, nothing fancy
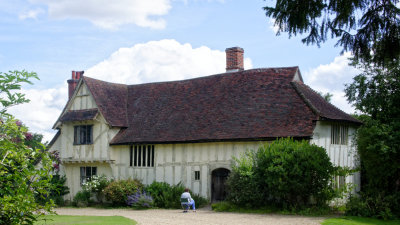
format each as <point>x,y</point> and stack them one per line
<point>208,140</point>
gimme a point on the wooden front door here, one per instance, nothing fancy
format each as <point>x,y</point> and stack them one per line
<point>218,187</point>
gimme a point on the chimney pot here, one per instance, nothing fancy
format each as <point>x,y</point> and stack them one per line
<point>76,75</point>
<point>234,59</point>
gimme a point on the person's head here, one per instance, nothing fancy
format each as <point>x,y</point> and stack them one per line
<point>186,189</point>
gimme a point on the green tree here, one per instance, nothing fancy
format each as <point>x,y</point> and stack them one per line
<point>370,29</point>
<point>24,164</point>
<point>327,96</point>
<point>376,93</point>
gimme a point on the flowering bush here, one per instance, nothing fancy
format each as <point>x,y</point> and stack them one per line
<point>118,191</point>
<point>96,185</point>
<point>140,200</point>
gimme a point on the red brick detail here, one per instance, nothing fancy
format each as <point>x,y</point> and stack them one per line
<point>76,75</point>
<point>234,59</point>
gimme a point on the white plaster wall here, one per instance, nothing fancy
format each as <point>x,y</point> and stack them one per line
<point>340,155</point>
<point>82,99</point>
<point>174,163</point>
<point>72,172</point>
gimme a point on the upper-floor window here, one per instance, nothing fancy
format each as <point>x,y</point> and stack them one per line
<point>339,134</point>
<point>87,172</point>
<point>141,156</point>
<point>83,134</point>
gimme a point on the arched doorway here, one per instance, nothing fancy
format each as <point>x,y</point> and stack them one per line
<point>218,188</point>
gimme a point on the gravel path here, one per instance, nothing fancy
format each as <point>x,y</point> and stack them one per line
<point>202,216</point>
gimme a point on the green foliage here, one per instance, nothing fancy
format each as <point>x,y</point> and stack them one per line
<point>367,205</point>
<point>10,84</point>
<point>96,186</point>
<point>291,172</point>
<point>369,29</point>
<point>242,185</point>
<point>352,220</point>
<point>56,192</point>
<point>20,178</point>
<point>327,96</point>
<point>25,166</point>
<point>167,196</point>
<point>117,191</point>
<point>81,199</point>
<point>199,200</point>
<point>376,92</point>
<point>284,173</point>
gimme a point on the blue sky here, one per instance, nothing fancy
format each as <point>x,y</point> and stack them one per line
<point>137,41</point>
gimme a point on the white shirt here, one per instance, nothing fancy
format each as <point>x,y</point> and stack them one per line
<point>186,195</point>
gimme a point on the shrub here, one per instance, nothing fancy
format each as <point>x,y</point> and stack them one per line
<point>117,191</point>
<point>55,192</point>
<point>140,200</point>
<point>81,199</point>
<point>241,184</point>
<point>199,200</point>
<point>168,196</point>
<point>165,195</point>
<point>96,186</point>
<point>284,173</point>
<point>373,206</point>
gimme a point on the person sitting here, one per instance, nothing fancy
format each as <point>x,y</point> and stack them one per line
<point>187,195</point>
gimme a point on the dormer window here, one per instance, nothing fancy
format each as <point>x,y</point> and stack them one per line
<point>83,135</point>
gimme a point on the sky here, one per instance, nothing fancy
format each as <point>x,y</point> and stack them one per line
<point>141,41</point>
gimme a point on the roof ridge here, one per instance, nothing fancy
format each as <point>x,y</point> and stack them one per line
<point>314,108</point>
<point>305,99</point>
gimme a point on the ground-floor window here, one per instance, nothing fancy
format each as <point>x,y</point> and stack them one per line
<point>87,172</point>
<point>340,182</point>
<point>141,156</point>
<point>196,175</point>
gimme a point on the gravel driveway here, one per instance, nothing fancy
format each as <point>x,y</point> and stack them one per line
<point>202,216</point>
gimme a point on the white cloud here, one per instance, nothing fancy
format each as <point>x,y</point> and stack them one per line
<point>332,78</point>
<point>43,110</point>
<point>31,14</point>
<point>163,60</point>
<point>110,14</point>
<point>153,61</point>
<point>273,26</point>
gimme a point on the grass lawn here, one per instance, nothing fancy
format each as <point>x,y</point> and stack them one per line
<point>86,220</point>
<point>351,220</point>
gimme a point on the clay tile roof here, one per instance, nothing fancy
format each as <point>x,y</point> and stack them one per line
<point>252,104</point>
<point>255,104</point>
<point>111,100</point>
<point>323,108</point>
<point>79,115</point>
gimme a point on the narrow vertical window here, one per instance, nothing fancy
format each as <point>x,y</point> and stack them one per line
<point>152,156</point>
<point>148,155</point>
<point>144,155</point>
<point>196,175</point>
<point>140,156</point>
<point>136,156</point>
<point>131,156</point>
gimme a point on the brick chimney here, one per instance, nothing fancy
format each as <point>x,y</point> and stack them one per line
<point>234,59</point>
<point>76,75</point>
